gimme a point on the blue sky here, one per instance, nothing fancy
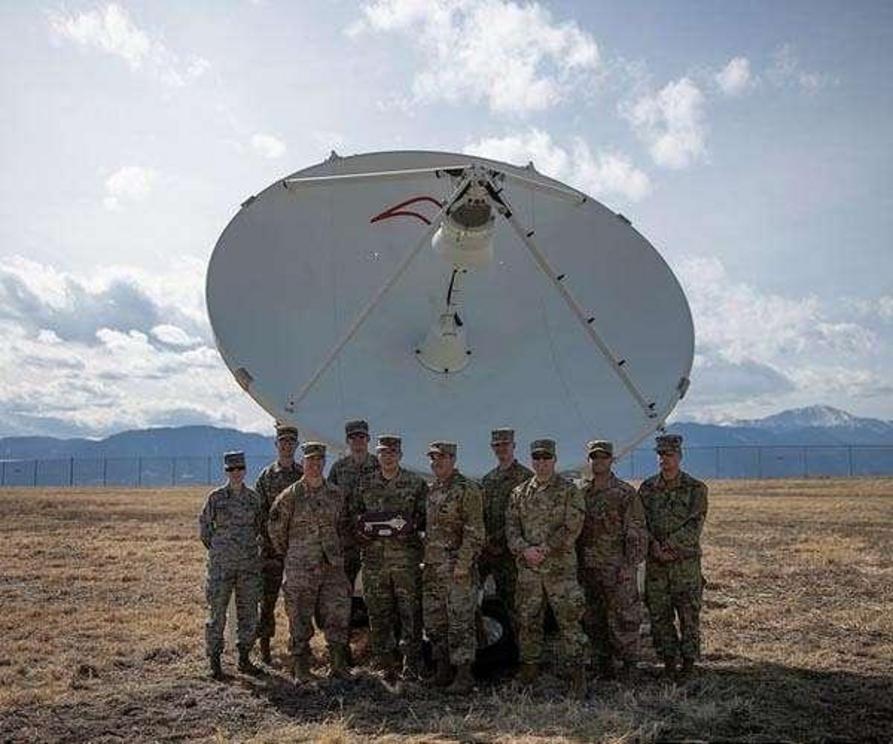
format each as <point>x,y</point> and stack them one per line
<point>748,141</point>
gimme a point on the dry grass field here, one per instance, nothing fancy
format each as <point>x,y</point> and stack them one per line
<point>102,614</point>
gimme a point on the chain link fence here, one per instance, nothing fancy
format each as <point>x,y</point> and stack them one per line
<point>740,461</point>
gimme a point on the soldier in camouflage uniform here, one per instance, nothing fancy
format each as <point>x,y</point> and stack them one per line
<point>305,525</point>
<point>274,479</point>
<point>544,519</point>
<point>349,473</point>
<point>389,515</point>
<point>231,528</point>
<point>454,537</point>
<point>675,510</point>
<point>497,486</point>
<point>610,548</point>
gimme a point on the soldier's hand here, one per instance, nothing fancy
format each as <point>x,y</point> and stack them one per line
<point>534,555</point>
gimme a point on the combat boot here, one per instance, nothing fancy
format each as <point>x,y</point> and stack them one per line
<point>340,666</point>
<point>216,669</point>
<point>411,667</point>
<point>604,667</point>
<point>628,671</point>
<point>265,656</point>
<point>245,664</point>
<point>687,670</point>
<point>463,682</point>
<point>578,683</point>
<point>301,670</point>
<point>669,666</point>
<point>527,674</point>
<point>443,673</point>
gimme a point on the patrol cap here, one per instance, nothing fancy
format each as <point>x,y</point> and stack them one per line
<point>600,445</point>
<point>356,426</point>
<point>313,449</point>
<point>668,443</point>
<point>389,441</point>
<point>442,448</point>
<point>497,436</point>
<point>543,445</point>
<point>286,431</point>
<point>233,460</point>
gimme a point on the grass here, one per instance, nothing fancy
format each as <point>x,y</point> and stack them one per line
<point>102,635</point>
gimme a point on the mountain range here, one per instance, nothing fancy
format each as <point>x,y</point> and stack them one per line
<point>815,425</point>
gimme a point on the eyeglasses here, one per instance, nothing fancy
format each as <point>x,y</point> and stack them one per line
<point>234,467</point>
<point>542,456</point>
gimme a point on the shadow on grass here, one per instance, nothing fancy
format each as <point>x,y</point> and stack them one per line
<point>729,699</point>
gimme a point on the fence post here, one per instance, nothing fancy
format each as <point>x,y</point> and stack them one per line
<point>71,471</point>
<point>139,472</point>
<point>850,459</point>
<point>105,471</point>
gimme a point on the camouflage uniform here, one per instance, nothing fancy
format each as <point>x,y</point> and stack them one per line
<point>675,514</point>
<point>350,476</point>
<point>231,525</point>
<point>392,574</point>
<point>610,548</point>
<point>272,481</point>
<point>496,558</point>
<point>550,516</point>
<point>454,536</point>
<point>305,525</point>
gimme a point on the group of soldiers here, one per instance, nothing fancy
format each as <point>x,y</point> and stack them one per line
<point>550,546</point>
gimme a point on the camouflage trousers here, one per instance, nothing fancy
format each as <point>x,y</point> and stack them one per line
<point>613,611</point>
<point>271,575</point>
<point>222,581</point>
<point>393,593</point>
<point>448,608</point>
<point>505,576</point>
<point>562,592</point>
<point>321,590</point>
<point>673,590</point>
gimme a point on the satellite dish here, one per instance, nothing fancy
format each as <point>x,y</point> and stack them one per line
<point>441,295</point>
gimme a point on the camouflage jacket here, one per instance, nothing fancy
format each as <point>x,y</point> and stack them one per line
<point>231,527</point>
<point>403,497</point>
<point>549,516</point>
<point>675,512</point>
<point>350,477</point>
<point>454,527</point>
<point>306,524</point>
<point>614,529</point>
<point>272,481</point>
<point>497,486</point>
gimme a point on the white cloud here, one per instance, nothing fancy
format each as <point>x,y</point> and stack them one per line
<point>268,146</point>
<point>601,174</point>
<point>671,123</point>
<point>515,58</point>
<point>130,183</point>
<point>90,355</point>
<point>111,30</point>
<point>758,348</point>
<point>735,78</point>
<point>786,71</point>
<point>174,335</point>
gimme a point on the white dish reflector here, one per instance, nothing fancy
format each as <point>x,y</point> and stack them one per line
<point>440,296</point>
